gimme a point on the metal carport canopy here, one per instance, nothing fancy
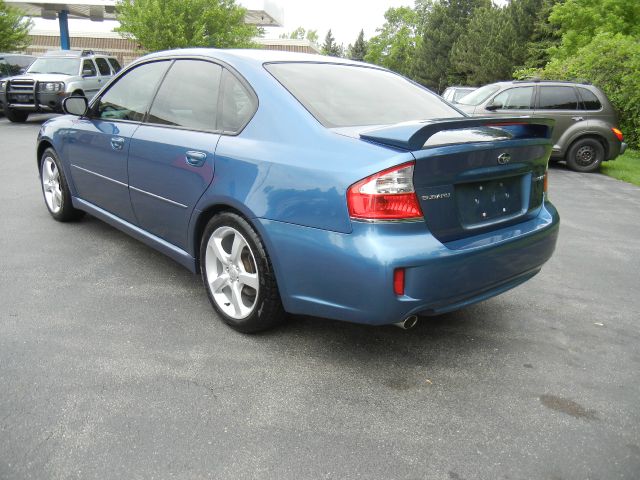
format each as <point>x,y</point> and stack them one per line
<point>259,12</point>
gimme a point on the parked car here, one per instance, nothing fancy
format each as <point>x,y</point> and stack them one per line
<point>309,185</point>
<point>586,131</point>
<point>14,64</point>
<point>53,77</point>
<point>453,94</point>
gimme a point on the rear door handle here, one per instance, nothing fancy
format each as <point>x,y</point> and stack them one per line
<point>195,159</point>
<point>117,143</point>
<point>577,119</point>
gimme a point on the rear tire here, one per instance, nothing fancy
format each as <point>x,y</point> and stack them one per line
<point>238,275</point>
<point>585,155</point>
<point>16,116</point>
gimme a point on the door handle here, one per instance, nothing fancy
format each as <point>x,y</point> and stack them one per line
<point>195,159</point>
<point>117,143</point>
<point>577,119</point>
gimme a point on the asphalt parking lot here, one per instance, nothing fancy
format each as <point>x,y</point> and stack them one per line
<point>113,365</point>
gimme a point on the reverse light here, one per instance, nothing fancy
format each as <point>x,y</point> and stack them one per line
<point>386,195</point>
<point>618,133</point>
<point>398,281</point>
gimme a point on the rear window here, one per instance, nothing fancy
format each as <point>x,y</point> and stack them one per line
<point>103,66</point>
<point>345,95</point>
<point>589,99</point>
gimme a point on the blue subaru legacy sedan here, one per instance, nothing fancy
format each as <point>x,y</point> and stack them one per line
<point>306,184</point>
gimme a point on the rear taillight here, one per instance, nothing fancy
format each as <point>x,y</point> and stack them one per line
<point>618,133</point>
<point>387,195</point>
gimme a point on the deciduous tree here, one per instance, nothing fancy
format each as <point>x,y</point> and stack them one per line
<point>394,46</point>
<point>300,34</point>
<point>14,29</point>
<point>165,24</point>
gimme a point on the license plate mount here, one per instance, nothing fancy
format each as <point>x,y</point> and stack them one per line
<point>490,200</point>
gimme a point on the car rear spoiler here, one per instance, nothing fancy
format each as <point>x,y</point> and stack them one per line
<point>414,135</point>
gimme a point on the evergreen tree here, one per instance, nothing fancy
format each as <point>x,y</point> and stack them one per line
<point>445,21</point>
<point>358,50</point>
<point>330,47</point>
<point>485,52</point>
<point>532,17</point>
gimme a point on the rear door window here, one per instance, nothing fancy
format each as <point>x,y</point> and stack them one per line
<point>115,65</point>
<point>519,98</point>
<point>557,98</point>
<point>188,96</point>
<point>589,99</point>
<point>103,66</point>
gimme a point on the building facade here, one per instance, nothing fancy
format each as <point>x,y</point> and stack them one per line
<point>126,50</point>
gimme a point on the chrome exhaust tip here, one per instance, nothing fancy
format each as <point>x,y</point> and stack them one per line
<point>407,323</point>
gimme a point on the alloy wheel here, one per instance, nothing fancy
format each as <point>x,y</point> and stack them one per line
<point>51,185</point>
<point>232,273</point>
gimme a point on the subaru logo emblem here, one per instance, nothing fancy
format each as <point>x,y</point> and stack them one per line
<point>504,158</point>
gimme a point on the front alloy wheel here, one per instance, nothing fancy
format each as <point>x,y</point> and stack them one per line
<point>238,275</point>
<point>51,185</point>
<point>55,189</point>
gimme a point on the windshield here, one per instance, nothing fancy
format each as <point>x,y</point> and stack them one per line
<point>346,95</point>
<point>478,96</point>
<point>64,66</point>
<point>461,92</point>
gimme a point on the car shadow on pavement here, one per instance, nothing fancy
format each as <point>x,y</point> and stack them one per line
<point>467,336</point>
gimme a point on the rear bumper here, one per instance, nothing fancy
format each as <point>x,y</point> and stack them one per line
<point>350,276</point>
<point>614,148</point>
<point>623,148</point>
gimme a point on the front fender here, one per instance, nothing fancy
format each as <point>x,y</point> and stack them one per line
<point>53,133</point>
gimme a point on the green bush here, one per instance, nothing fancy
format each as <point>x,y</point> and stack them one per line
<point>611,62</point>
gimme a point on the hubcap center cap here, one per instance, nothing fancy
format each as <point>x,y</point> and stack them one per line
<point>233,273</point>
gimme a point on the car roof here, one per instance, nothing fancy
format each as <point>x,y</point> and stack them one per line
<point>255,56</point>
<point>541,82</point>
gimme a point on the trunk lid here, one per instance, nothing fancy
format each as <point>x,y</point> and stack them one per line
<point>474,175</point>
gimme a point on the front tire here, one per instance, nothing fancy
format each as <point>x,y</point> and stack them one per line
<point>16,116</point>
<point>238,275</point>
<point>55,189</point>
<point>585,155</point>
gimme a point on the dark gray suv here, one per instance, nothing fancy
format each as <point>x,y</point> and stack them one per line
<point>586,131</point>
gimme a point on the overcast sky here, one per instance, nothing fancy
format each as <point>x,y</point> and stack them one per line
<point>344,17</point>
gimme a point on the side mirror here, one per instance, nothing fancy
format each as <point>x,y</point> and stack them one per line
<point>493,106</point>
<point>75,106</point>
<point>88,73</point>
